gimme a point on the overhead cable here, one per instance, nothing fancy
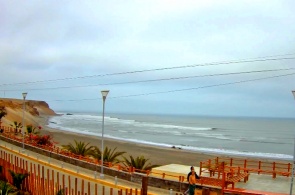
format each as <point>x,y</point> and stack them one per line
<point>156,69</point>
<point>155,80</point>
<point>179,90</point>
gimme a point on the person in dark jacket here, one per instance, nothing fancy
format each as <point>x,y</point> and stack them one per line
<point>192,185</point>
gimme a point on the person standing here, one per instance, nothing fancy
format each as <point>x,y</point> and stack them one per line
<point>193,182</point>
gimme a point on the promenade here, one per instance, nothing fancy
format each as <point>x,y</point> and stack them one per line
<point>257,183</point>
<point>263,184</point>
<point>78,172</point>
<point>268,185</point>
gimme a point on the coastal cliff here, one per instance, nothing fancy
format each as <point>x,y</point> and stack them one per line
<point>34,110</point>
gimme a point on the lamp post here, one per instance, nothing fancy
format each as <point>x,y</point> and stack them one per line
<point>104,94</point>
<point>293,166</point>
<point>23,129</point>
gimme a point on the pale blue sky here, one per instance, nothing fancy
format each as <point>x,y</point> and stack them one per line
<point>48,40</point>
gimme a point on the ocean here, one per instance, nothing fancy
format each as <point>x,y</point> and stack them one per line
<point>239,136</point>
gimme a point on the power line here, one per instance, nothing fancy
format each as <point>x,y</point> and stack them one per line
<point>157,80</point>
<point>206,86</point>
<point>179,90</point>
<point>160,69</point>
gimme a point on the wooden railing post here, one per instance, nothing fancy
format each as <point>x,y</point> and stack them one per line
<point>48,179</point>
<point>209,167</point>
<point>82,186</point>
<point>42,178</point>
<point>57,178</point>
<point>69,183</point>
<point>76,185</point>
<point>259,167</point>
<point>274,175</point>
<point>144,185</point>
<point>223,178</point>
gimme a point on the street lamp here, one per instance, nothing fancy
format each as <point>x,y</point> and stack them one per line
<point>293,167</point>
<point>104,94</point>
<point>23,129</point>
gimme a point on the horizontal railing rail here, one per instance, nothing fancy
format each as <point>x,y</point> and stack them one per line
<point>235,165</point>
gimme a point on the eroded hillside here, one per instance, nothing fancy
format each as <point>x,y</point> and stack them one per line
<point>33,110</point>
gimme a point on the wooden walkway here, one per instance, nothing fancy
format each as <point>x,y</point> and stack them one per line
<point>237,165</point>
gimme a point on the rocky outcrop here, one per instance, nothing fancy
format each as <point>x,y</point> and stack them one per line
<point>33,110</point>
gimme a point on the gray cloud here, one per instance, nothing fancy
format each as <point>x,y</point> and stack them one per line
<point>47,40</point>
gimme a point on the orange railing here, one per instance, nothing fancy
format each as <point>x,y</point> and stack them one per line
<point>46,181</point>
<point>164,175</point>
<point>236,165</point>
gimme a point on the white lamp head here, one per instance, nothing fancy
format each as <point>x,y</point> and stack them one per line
<point>293,92</point>
<point>25,95</point>
<point>104,93</point>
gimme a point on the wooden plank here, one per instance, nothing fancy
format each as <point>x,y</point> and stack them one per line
<point>63,182</point>
<point>76,185</point>
<point>82,187</point>
<point>48,181</point>
<point>39,174</point>
<point>57,180</point>
<point>69,180</point>
<point>42,178</point>
<point>52,179</point>
<point>35,179</point>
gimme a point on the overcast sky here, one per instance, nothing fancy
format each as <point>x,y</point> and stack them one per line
<point>82,40</point>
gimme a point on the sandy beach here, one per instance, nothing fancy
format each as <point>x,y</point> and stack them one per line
<point>38,112</point>
<point>156,154</point>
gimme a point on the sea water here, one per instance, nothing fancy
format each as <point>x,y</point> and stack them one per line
<point>253,137</point>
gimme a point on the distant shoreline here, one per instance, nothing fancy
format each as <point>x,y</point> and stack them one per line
<point>176,115</point>
<point>157,154</point>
